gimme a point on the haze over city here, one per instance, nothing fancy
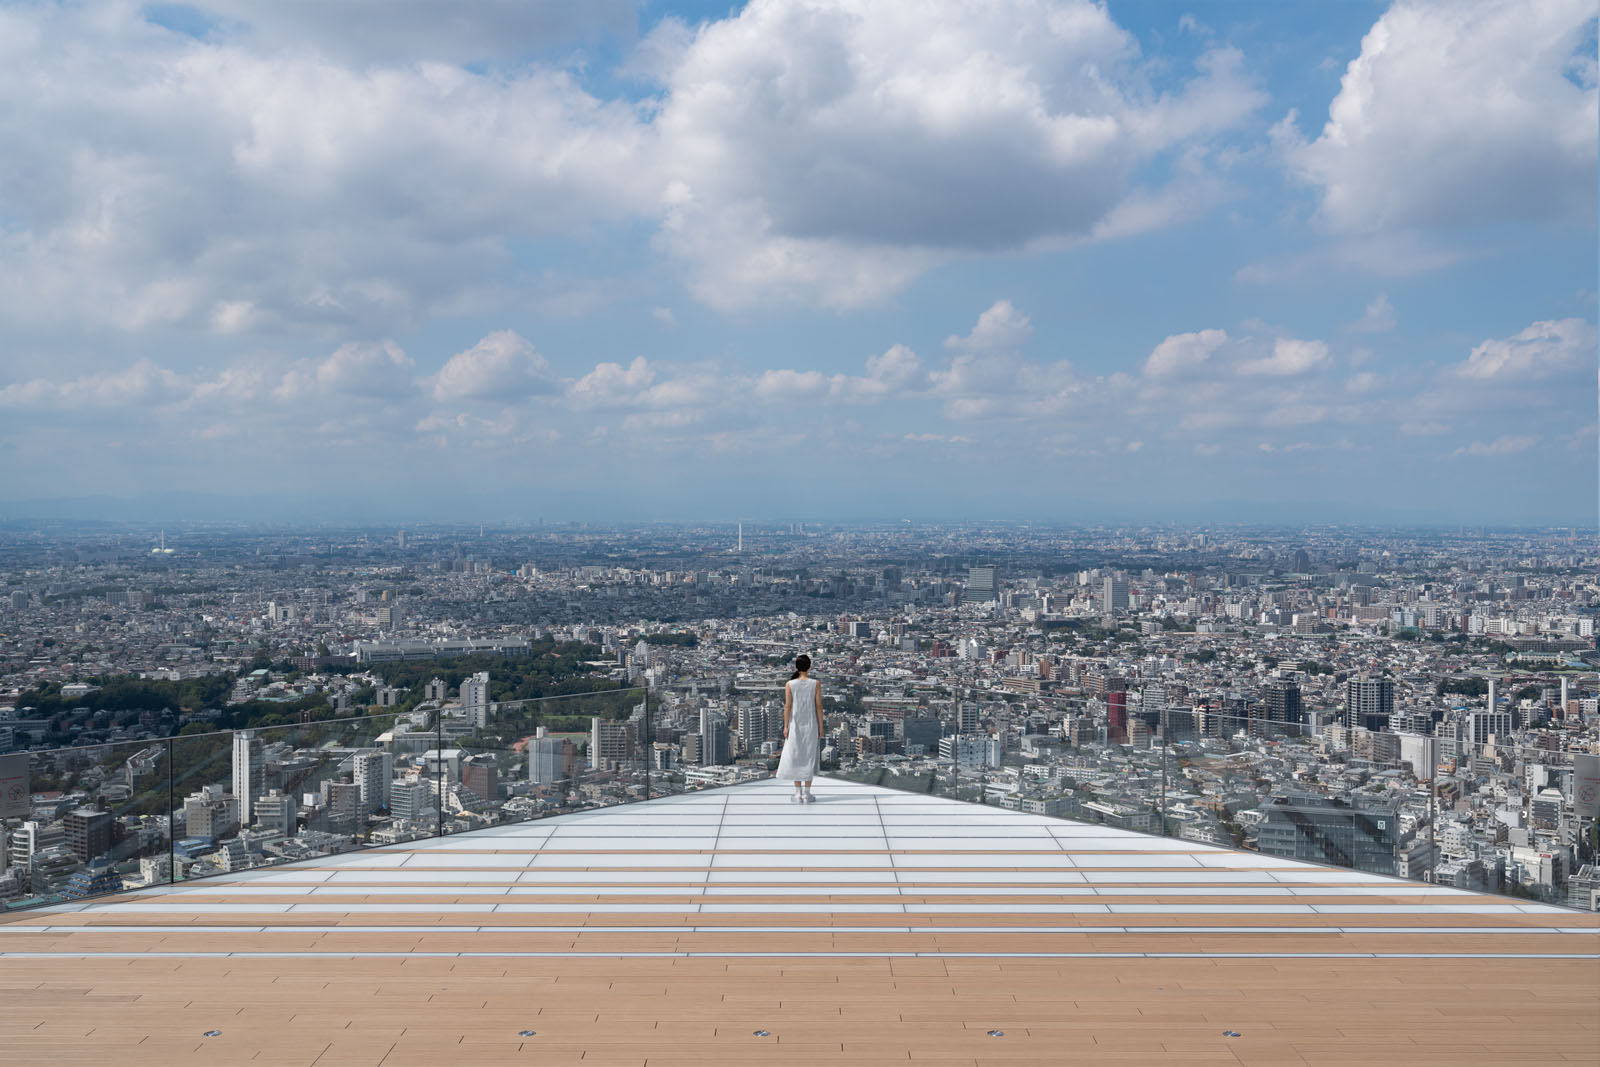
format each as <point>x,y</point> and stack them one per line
<point>799,259</point>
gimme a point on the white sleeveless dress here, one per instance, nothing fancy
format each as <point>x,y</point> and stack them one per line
<point>802,751</point>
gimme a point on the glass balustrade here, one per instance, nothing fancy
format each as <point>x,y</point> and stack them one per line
<point>99,819</point>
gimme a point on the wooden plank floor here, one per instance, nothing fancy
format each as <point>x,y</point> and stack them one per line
<point>873,927</point>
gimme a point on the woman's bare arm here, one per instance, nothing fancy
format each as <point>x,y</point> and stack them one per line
<point>819,710</point>
<point>788,698</point>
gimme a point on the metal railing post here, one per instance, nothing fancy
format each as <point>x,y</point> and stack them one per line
<point>172,819</point>
<point>645,744</point>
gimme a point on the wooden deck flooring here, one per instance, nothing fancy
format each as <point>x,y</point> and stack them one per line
<point>880,928</point>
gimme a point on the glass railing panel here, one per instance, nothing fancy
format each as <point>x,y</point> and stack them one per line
<point>256,798</point>
<point>526,759</point>
<point>1383,803</point>
<point>90,820</point>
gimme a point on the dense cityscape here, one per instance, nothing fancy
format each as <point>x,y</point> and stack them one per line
<point>203,699</point>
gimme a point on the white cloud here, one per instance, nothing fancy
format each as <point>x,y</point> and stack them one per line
<point>142,384</point>
<point>354,370</point>
<point>1379,316</point>
<point>793,385</point>
<point>831,150</point>
<point>1543,350</point>
<point>1460,113</point>
<point>1001,328</point>
<point>152,179</point>
<point>664,316</point>
<point>1182,352</point>
<point>1506,445</point>
<point>502,367</point>
<point>1289,357</point>
<point>610,385</point>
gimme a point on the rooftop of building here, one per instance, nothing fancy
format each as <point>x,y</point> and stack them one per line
<point>730,926</point>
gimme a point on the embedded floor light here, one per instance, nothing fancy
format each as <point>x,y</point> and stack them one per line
<point>997,1033</point>
<point>213,1033</point>
<point>1230,1033</point>
<point>762,1033</point>
<point>527,1033</point>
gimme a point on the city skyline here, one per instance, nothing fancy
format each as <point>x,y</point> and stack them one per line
<point>812,260</point>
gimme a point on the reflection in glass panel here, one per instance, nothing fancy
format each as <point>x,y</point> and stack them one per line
<point>95,823</point>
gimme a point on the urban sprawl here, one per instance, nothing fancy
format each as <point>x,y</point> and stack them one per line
<point>181,702</point>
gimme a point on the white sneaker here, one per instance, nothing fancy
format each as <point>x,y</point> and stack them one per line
<point>797,799</point>
<point>810,799</point>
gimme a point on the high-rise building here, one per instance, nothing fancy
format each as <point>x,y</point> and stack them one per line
<point>1113,595</point>
<point>551,760</point>
<point>1302,562</point>
<point>247,776</point>
<point>209,812</point>
<point>33,837</point>
<point>1369,702</point>
<point>412,798</point>
<point>714,741</point>
<point>276,812</point>
<point>1484,726</point>
<point>88,832</point>
<point>610,743</point>
<point>1280,704</point>
<point>923,731</point>
<point>982,586</point>
<point>475,699</point>
<point>374,773</point>
<point>481,774</point>
<point>967,721</point>
<point>342,803</point>
<point>1117,717</point>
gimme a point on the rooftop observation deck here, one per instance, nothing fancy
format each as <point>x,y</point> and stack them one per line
<point>872,927</point>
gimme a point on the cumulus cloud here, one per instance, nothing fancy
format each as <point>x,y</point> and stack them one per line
<point>1543,350</point>
<point>152,179</point>
<point>612,385</point>
<point>354,370</point>
<point>830,150</point>
<point>894,371</point>
<point>791,385</point>
<point>1001,328</point>
<point>1213,354</point>
<point>502,367</point>
<point>1289,357</point>
<point>306,166</point>
<point>141,384</point>
<point>1457,113</point>
<point>1183,351</point>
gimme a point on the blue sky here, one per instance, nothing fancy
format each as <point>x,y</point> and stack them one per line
<point>801,259</point>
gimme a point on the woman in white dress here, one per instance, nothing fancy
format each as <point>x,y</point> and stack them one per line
<point>802,730</point>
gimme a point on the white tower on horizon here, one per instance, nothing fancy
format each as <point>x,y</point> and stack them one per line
<point>741,538</point>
